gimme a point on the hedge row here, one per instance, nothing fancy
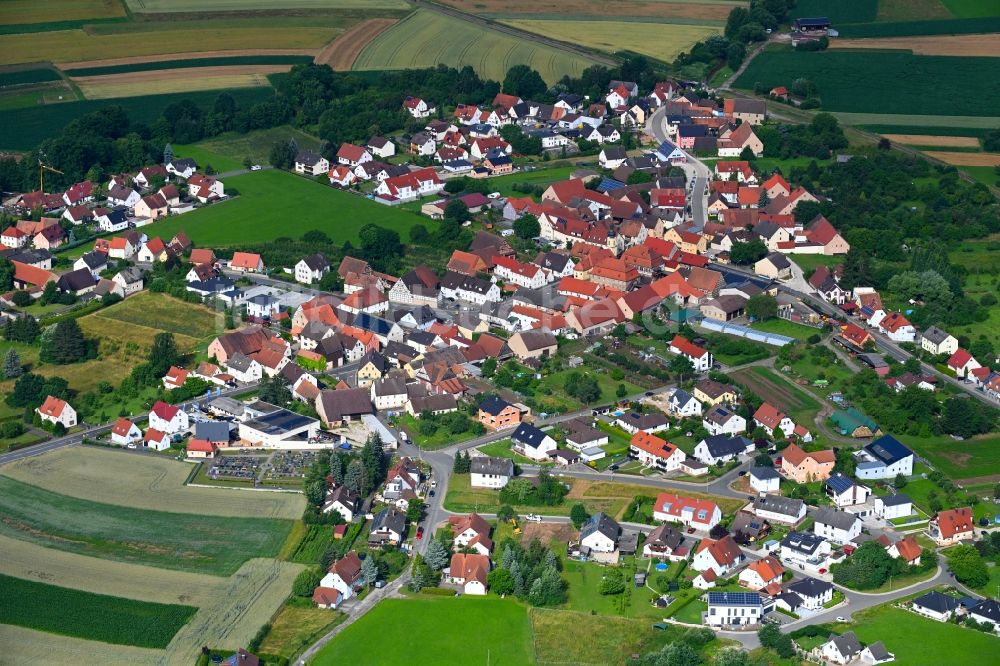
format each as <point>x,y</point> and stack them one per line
<point>193,62</point>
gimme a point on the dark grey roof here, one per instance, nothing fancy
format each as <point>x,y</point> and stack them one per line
<point>488,465</point>
<point>878,651</point>
<point>779,260</point>
<point>786,506</point>
<point>279,422</point>
<point>600,522</point>
<point>802,542</point>
<point>316,262</point>
<point>213,431</point>
<point>553,261</point>
<point>453,280</point>
<point>888,449</point>
<point>839,483</point>
<point>989,609</point>
<point>183,163</point>
<point>434,402</point>
<point>764,473</point>
<point>896,500</point>
<point>840,520</point>
<point>346,402</point>
<point>375,359</point>
<point>308,158</point>
<point>393,384</point>
<point>724,445</point>
<point>665,535</point>
<point>493,405</point>
<point>935,335</point>
<point>847,644</point>
<point>809,587</point>
<point>614,153</point>
<point>131,275</point>
<point>529,435</point>
<point>239,362</point>
<point>793,600</point>
<point>720,415</point>
<point>682,397</point>
<point>95,259</point>
<point>645,421</point>
<point>390,519</point>
<point>76,280</point>
<point>937,602</point>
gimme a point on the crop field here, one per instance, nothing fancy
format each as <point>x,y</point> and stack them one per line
<point>658,40</point>
<point>425,39</point>
<point>27,646</point>
<point>924,124</point>
<point>62,610</point>
<point>10,78</point>
<point>899,76</point>
<point>965,159</point>
<point>170,38</point>
<point>972,8</point>
<point>663,10</point>
<point>787,397</point>
<point>911,10</point>
<point>150,482</point>
<point>16,12</point>
<point>186,542</point>
<point>155,6</point>
<point>942,45</point>
<point>298,625</point>
<point>844,11</point>
<point>945,26</point>
<point>932,140</point>
<point>147,66</point>
<point>188,322</point>
<point>341,53</point>
<point>501,628</point>
<point>273,204</point>
<point>171,81</point>
<point>25,128</point>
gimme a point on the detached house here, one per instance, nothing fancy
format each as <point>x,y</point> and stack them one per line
<point>728,609</point>
<point>352,155</point>
<point>884,458</point>
<point>487,472</point>
<point>600,533</point>
<point>533,442</point>
<point>471,571</point>
<point>718,449</point>
<point>720,556</point>
<point>418,108</point>
<point>311,269</point>
<point>498,414</point>
<point>698,513</point>
<point>951,526</point>
<point>962,363</point>
<point>185,168</point>
<point>246,262</point>
<point>311,164</point>
<point>721,420</point>
<point>57,411</point>
<point>836,526</point>
<point>344,576</point>
<point>125,433</point>
<point>762,573</point>
<point>664,543</point>
<point>936,341</point>
<point>700,358</point>
<point>654,452</point>
<point>804,467</point>
<point>168,419</point>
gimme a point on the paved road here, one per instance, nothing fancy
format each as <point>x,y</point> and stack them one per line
<point>694,169</point>
<point>96,430</point>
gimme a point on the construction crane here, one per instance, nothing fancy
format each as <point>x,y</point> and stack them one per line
<point>42,168</point>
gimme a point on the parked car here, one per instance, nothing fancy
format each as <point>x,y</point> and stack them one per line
<point>420,532</point>
<point>533,518</point>
<point>256,167</point>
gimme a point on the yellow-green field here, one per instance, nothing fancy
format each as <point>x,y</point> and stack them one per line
<point>179,37</point>
<point>427,38</point>
<point>662,41</point>
<point>166,81</point>
<point>156,6</point>
<point>16,12</point>
<point>154,483</point>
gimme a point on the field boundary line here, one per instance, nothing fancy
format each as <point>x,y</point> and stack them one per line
<point>265,490</point>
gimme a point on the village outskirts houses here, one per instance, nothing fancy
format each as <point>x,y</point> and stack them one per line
<point>309,163</point>
<point>57,411</point>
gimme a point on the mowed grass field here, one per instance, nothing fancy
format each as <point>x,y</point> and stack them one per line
<point>658,40</point>
<point>62,610</point>
<point>897,80</point>
<point>135,40</point>
<point>435,630</point>
<point>186,542</point>
<point>274,204</point>
<point>226,151</point>
<point>16,12</point>
<point>426,39</point>
<point>29,646</point>
<point>150,482</point>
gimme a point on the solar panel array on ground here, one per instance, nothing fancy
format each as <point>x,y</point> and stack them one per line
<point>748,333</point>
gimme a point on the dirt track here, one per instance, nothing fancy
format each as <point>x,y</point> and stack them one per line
<point>946,45</point>
<point>69,66</point>
<point>341,53</point>
<point>965,159</point>
<point>931,140</point>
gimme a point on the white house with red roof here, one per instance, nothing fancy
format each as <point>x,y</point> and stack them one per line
<point>720,556</point>
<point>168,418</point>
<point>175,377</point>
<point>652,451</point>
<point>897,327</point>
<point>344,575</point>
<point>698,513</point>
<point>246,262</point>
<point>79,193</point>
<point>418,108</point>
<point>14,238</point>
<point>204,188</point>
<point>410,186</point>
<point>738,170</point>
<point>770,418</point>
<point>951,526</point>
<point>125,432</point>
<point>511,270</point>
<point>700,358</point>
<point>822,233</point>
<point>56,410</point>
<point>342,176</point>
<point>352,155</point>
<point>156,440</point>
<point>962,363</point>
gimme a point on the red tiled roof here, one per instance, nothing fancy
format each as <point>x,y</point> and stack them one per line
<point>687,347</point>
<point>52,406</point>
<point>653,445</point>
<point>955,521</point>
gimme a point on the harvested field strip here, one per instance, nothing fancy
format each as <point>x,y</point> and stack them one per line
<point>965,159</point>
<point>151,65</point>
<point>146,482</point>
<point>30,561</point>
<point>179,541</point>
<point>341,53</point>
<point>930,124</point>
<point>650,20</point>
<point>31,11</point>
<point>78,45</point>
<point>660,41</point>
<point>943,45</point>
<point>509,9</point>
<point>785,396</point>
<point>168,6</point>
<point>27,77</point>
<point>165,60</point>
<point>931,140</point>
<point>960,26</point>
<point>24,647</point>
<point>60,610</point>
<point>246,600</point>
<point>173,81</point>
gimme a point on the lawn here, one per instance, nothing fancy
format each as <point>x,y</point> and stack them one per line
<point>900,76</point>
<point>540,177</point>
<point>584,580</point>
<point>597,639</point>
<point>967,459</point>
<point>662,41</point>
<point>427,38</point>
<point>787,328</point>
<point>185,542</point>
<point>227,151</point>
<point>808,262</point>
<point>920,641</point>
<point>501,449</point>
<point>851,11</point>
<point>297,625</point>
<point>440,439</point>
<point>435,631</point>
<point>276,204</point>
<point>61,610</point>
